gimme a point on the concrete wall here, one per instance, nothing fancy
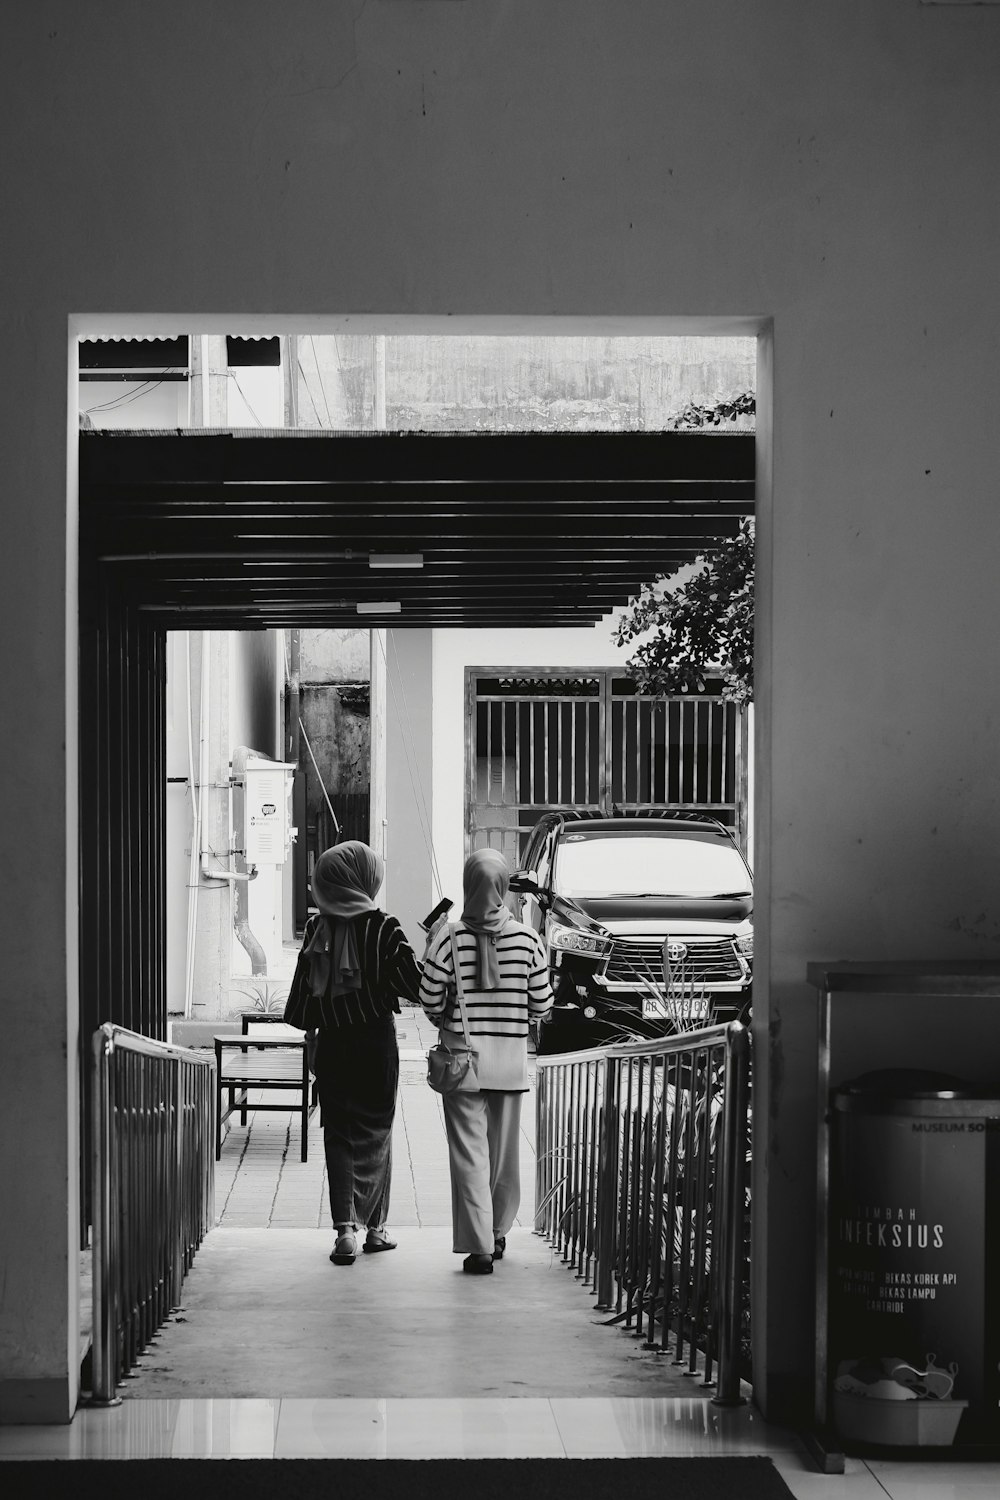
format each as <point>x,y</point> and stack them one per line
<point>821,173</point>
<point>409,891</point>
<point>179,814</point>
<point>378,767</point>
<point>245,680</point>
<point>334,656</point>
<point>256,680</point>
<point>482,383</point>
<point>214,913</point>
<point>335,708</point>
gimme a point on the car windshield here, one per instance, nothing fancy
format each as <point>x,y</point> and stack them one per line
<point>612,862</point>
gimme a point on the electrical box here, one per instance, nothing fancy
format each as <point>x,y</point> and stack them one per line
<point>267,823</point>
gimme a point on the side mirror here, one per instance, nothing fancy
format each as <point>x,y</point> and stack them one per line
<point>525,882</point>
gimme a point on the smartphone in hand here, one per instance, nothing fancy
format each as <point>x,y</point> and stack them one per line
<point>442,909</point>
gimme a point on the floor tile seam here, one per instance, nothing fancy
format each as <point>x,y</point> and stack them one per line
<point>220,1215</point>
<point>281,1166</point>
<point>876,1478</point>
<point>410,1162</point>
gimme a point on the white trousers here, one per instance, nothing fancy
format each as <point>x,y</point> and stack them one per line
<point>483,1152</point>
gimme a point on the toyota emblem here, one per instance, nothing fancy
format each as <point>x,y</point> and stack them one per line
<point>676,951</point>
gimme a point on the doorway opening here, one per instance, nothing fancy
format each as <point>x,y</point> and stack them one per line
<point>263,529</point>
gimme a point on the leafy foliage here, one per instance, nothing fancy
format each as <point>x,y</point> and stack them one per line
<point>703,624</point>
<point>695,415</point>
<point>267,996</point>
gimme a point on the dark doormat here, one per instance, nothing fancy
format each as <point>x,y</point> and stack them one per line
<point>396,1478</point>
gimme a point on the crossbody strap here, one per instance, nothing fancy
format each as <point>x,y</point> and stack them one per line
<point>459,991</point>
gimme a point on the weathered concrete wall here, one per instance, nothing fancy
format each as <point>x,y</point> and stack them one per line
<point>822,173</point>
<point>336,716</point>
<point>456,383</point>
<point>333,656</point>
<point>334,673</point>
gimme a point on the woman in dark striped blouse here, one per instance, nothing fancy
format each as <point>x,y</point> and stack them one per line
<point>354,964</point>
<point>505,980</point>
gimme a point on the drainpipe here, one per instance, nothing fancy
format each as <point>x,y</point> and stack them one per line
<point>241,897</point>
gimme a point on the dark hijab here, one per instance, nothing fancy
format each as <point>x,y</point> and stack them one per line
<point>344,882</point>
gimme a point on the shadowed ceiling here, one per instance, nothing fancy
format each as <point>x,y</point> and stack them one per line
<point>255,529</point>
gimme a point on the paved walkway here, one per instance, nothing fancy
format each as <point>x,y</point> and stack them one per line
<point>266,1315</point>
<point>261,1181</point>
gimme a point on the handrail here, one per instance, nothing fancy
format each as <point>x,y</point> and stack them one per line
<point>641,1176</point>
<point>152,1165</point>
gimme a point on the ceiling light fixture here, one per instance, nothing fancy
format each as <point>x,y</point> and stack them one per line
<point>395,559</point>
<point>377,607</point>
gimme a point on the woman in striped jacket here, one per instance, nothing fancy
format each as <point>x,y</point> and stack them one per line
<point>505,980</point>
<point>354,965</point>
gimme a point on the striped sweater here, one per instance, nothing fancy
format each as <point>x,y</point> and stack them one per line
<point>388,970</point>
<point>498,1019</point>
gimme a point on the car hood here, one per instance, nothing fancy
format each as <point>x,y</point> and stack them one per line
<point>610,911</point>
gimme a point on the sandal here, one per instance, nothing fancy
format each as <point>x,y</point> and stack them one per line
<point>376,1240</point>
<point>478,1265</point>
<point>345,1251</point>
<point>499,1246</point>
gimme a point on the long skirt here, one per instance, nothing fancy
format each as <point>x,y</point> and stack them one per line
<point>357,1070</point>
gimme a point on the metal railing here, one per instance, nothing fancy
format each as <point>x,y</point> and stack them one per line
<point>152,1165</point>
<point>641,1174</point>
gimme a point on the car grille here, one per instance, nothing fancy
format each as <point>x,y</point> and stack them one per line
<point>713,962</point>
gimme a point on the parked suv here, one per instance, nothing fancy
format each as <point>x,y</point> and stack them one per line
<point>647,921</point>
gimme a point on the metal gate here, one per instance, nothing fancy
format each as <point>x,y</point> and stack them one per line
<point>544,738</point>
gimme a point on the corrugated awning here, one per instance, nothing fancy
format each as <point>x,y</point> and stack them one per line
<point>144,352</point>
<point>270,528</point>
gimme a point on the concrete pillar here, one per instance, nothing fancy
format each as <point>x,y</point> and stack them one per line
<point>409,891</point>
<point>39,920</point>
<point>377,812</point>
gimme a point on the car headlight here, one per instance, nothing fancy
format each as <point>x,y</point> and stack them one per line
<point>572,940</point>
<point>744,945</point>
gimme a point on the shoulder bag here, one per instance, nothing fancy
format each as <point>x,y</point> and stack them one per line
<point>451,1070</point>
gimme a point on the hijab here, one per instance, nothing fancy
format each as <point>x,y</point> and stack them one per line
<point>485,881</point>
<point>344,882</point>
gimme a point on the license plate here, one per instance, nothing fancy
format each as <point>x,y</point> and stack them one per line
<point>689,1010</point>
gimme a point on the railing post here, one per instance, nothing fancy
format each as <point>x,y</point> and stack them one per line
<point>734,1122</point>
<point>177,1206</point>
<point>541,1144</point>
<point>607,1184</point>
<point>103,1198</point>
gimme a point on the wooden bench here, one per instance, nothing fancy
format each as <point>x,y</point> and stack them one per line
<point>261,1062</point>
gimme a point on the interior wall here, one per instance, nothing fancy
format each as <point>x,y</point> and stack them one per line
<point>608,167</point>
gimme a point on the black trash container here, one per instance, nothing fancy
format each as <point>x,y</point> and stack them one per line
<point>914,1315</point>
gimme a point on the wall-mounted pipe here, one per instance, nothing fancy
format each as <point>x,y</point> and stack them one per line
<point>241,898</point>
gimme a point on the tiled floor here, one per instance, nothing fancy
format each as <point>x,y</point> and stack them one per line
<point>261,1181</point>
<point>642,1427</point>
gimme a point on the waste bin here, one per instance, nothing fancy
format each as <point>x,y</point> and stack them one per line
<point>914,1261</point>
